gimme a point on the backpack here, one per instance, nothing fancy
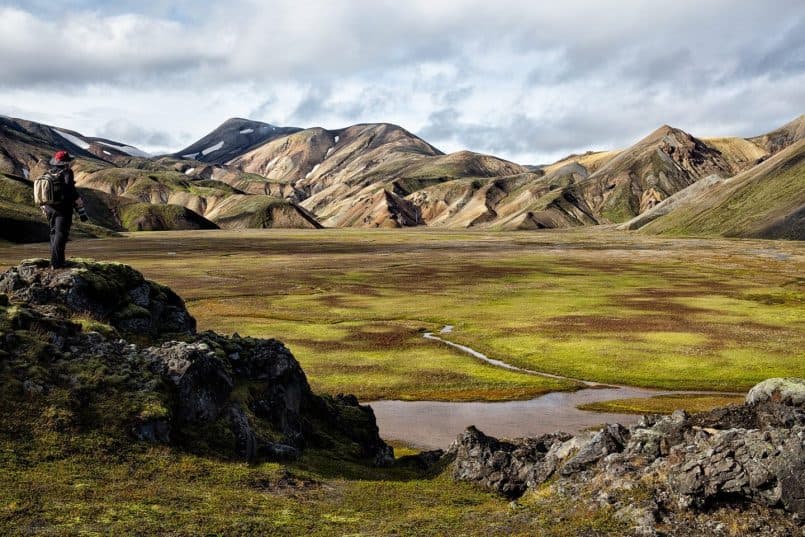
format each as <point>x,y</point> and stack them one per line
<point>49,188</point>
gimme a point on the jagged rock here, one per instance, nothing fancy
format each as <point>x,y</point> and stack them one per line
<point>202,381</point>
<point>286,388</point>
<point>653,436</point>
<point>748,457</point>
<point>279,452</point>
<point>742,464</point>
<point>764,415</point>
<point>156,431</point>
<point>786,391</point>
<point>424,460</point>
<point>508,468</point>
<point>245,439</point>
<point>357,422</point>
<point>611,439</point>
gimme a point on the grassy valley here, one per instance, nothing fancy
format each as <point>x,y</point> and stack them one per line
<point>616,308</point>
<point>351,305</point>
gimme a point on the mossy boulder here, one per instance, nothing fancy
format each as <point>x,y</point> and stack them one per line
<point>787,391</point>
<point>108,292</point>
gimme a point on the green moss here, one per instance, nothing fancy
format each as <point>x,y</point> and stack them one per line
<point>665,404</point>
<point>89,324</point>
<point>132,311</point>
<point>156,217</point>
<point>16,191</point>
<point>620,204</point>
<point>108,282</point>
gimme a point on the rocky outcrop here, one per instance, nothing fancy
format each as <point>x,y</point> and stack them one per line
<point>508,468</point>
<point>743,455</point>
<point>111,293</point>
<point>738,464</point>
<point>100,340</point>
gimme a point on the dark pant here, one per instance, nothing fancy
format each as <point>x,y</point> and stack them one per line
<point>60,221</point>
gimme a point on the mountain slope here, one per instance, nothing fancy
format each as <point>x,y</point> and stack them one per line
<point>781,138</point>
<point>23,144</point>
<point>251,174</point>
<point>360,175</point>
<point>663,163</point>
<point>767,201</point>
<point>127,190</point>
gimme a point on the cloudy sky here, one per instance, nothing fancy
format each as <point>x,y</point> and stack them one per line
<point>529,81</point>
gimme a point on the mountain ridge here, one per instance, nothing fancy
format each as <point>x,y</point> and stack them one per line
<point>248,173</point>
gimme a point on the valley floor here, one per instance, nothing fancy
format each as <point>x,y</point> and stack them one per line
<point>693,314</point>
<point>678,314</point>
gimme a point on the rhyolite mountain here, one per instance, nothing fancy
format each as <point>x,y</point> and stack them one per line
<point>247,174</point>
<point>127,190</point>
<point>765,201</point>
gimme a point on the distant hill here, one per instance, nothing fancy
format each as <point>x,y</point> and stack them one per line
<point>779,139</point>
<point>129,190</point>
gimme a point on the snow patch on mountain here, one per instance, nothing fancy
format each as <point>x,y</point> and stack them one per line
<point>189,171</point>
<point>75,140</point>
<point>129,150</point>
<point>247,131</point>
<point>215,147</point>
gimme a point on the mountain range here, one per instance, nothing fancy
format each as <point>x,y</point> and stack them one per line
<point>249,174</point>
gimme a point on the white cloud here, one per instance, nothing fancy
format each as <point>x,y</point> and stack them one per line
<point>529,81</point>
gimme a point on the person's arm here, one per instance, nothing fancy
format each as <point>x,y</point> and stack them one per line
<point>78,201</point>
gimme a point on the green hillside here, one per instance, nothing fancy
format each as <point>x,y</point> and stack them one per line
<point>767,201</point>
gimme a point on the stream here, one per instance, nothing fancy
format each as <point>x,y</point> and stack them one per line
<point>435,424</point>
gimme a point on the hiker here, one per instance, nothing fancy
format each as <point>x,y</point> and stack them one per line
<point>60,211</point>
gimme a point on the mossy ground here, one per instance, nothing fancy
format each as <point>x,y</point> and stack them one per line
<point>665,404</point>
<point>155,491</point>
<point>617,308</point>
<point>709,314</point>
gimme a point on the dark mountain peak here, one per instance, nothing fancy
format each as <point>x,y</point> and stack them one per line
<point>232,138</point>
<point>238,122</point>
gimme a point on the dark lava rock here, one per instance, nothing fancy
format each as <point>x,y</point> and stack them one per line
<point>423,461</point>
<point>761,466</point>
<point>508,468</point>
<point>748,458</point>
<point>611,439</point>
<point>155,431</point>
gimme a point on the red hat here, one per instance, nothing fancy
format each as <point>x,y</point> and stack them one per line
<point>61,158</point>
